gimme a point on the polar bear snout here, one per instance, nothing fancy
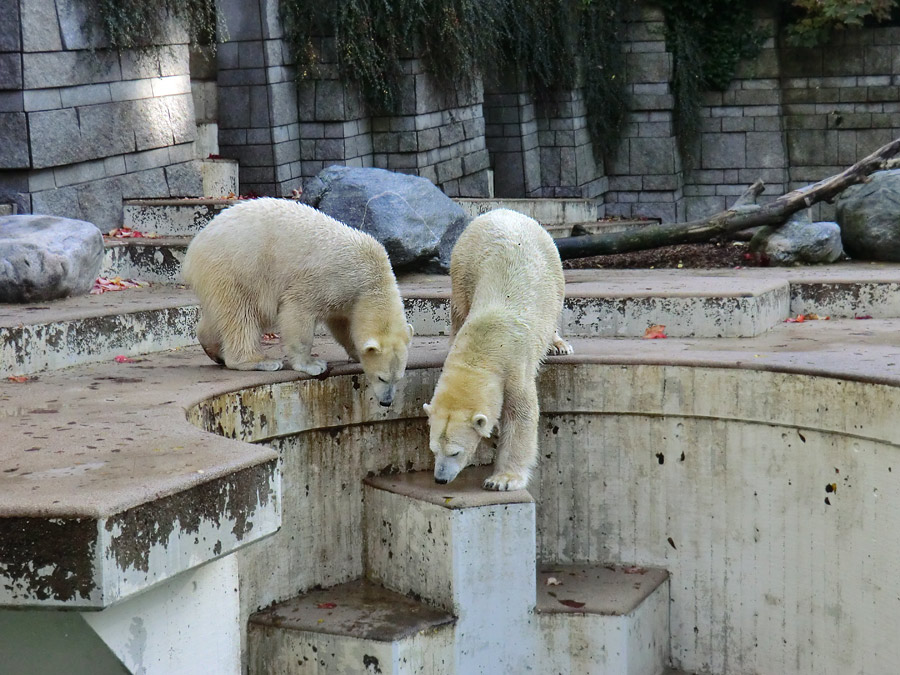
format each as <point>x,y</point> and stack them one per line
<point>445,469</point>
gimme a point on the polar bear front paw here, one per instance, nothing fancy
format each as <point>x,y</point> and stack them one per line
<point>313,367</point>
<point>559,346</point>
<point>505,481</point>
<point>268,365</point>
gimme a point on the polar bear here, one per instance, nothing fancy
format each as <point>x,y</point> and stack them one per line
<point>278,265</point>
<point>507,297</point>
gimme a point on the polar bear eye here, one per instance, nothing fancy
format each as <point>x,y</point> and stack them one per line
<point>454,454</point>
<point>382,380</point>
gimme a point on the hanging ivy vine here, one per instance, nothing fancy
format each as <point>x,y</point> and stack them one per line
<point>707,38</point>
<point>136,23</point>
<point>555,45</point>
<point>548,43</point>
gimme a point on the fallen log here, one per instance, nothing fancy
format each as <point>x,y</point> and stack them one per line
<point>741,216</point>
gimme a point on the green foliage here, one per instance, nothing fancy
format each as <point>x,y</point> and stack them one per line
<point>813,21</point>
<point>135,23</point>
<point>605,92</point>
<point>707,38</point>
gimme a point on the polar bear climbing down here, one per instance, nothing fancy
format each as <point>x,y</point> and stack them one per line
<point>507,296</point>
<point>277,265</point>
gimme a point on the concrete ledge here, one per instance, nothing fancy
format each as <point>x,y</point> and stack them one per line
<point>362,610</point>
<point>545,211</point>
<point>157,261</point>
<point>172,217</point>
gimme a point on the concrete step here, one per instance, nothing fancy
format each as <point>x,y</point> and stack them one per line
<point>545,211</point>
<point>172,217</point>
<point>95,328</point>
<point>603,619</point>
<point>157,260</point>
<point>220,177</point>
<point>468,551</point>
<point>357,627</point>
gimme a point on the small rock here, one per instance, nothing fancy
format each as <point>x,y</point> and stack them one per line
<point>416,222</point>
<point>799,241</point>
<point>47,257</point>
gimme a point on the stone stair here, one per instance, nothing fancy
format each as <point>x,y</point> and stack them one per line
<point>603,619</point>
<point>357,627</point>
<point>464,596</point>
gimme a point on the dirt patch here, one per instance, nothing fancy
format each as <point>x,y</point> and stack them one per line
<point>693,256</point>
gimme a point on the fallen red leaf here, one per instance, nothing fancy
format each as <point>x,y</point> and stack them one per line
<point>574,604</point>
<point>103,284</point>
<point>864,316</point>
<point>327,605</point>
<point>655,332</point>
<point>123,359</point>
<point>801,318</point>
<point>634,569</point>
<point>18,378</point>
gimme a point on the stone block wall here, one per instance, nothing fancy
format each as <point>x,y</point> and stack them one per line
<point>259,120</point>
<point>741,139</point>
<point>539,147</point>
<point>434,134</point>
<point>84,126</point>
<point>511,137</point>
<point>645,175</point>
<point>840,103</point>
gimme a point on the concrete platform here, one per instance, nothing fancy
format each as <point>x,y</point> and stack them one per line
<point>359,609</point>
<point>358,627</point>
<point>608,590</point>
<point>157,260</point>
<point>600,303</point>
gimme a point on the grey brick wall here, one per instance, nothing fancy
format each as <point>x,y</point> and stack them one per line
<point>84,126</point>
<point>258,116</point>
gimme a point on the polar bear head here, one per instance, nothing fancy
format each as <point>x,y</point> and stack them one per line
<point>454,435</point>
<point>383,360</point>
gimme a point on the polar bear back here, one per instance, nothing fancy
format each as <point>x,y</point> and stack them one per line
<point>506,268</point>
<point>272,245</point>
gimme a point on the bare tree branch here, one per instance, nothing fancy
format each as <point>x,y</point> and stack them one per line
<point>739,217</point>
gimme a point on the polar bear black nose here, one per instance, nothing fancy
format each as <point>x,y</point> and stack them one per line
<point>441,481</point>
<point>386,403</point>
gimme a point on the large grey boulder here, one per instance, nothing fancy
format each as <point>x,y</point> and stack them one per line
<point>412,218</point>
<point>869,216</point>
<point>799,241</point>
<point>46,257</point>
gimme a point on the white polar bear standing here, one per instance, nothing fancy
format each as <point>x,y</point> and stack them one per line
<point>508,290</point>
<point>277,265</point>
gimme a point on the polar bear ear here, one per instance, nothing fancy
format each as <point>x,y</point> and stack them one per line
<point>410,331</point>
<point>371,346</point>
<point>480,422</point>
<point>427,408</point>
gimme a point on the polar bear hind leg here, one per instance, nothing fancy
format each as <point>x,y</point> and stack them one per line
<point>240,332</point>
<point>209,339</point>
<point>517,451</point>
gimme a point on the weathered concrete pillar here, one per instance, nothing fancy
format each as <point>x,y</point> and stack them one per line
<point>466,550</point>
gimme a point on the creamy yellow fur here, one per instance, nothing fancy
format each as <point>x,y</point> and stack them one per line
<point>507,296</point>
<point>276,265</point>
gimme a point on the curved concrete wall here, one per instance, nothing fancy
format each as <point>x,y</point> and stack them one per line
<point>770,497</point>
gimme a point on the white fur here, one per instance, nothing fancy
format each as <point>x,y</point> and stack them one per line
<point>508,291</point>
<point>277,265</point>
